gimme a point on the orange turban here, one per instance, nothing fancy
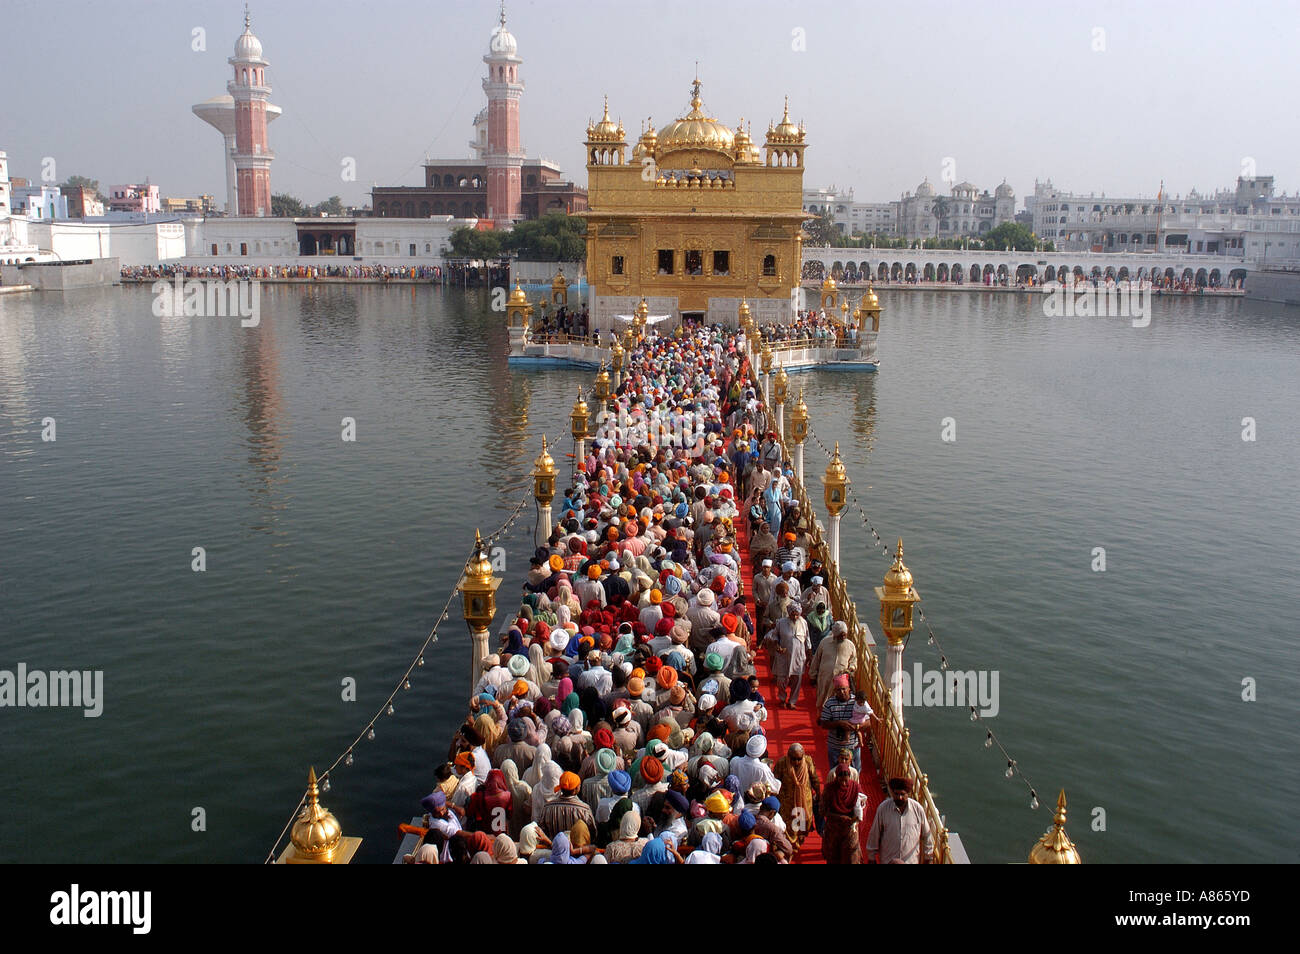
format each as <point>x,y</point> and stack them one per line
<point>569,782</point>
<point>652,770</point>
<point>667,677</point>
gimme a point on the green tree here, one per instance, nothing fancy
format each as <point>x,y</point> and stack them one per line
<point>75,182</point>
<point>331,206</point>
<point>819,232</point>
<point>284,205</point>
<point>554,237</point>
<point>1011,235</point>
<point>471,243</point>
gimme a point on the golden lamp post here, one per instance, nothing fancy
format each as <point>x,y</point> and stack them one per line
<point>316,837</point>
<point>603,390</point>
<point>744,319</point>
<point>544,491</point>
<point>870,307</point>
<point>780,391</point>
<point>765,358</point>
<point>616,359</point>
<point>578,420</point>
<point>799,433</point>
<point>897,597</point>
<point>834,485</point>
<point>478,588</point>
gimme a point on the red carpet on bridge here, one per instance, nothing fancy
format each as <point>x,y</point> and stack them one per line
<point>784,727</point>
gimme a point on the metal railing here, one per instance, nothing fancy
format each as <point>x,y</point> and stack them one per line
<point>892,739</point>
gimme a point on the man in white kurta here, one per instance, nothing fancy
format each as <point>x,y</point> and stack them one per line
<point>791,645</point>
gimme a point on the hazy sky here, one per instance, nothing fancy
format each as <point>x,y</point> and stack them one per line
<point>1097,96</point>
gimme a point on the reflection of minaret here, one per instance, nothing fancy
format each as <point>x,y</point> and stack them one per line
<point>259,407</point>
<point>864,417</point>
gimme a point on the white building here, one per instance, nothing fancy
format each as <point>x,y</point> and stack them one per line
<point>39,203</point>
<point>966,212</point>
<point>332,240</point>
<point>849,216</point>
<point>1249,222</point>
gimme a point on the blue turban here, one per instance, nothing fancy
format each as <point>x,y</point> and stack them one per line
<point>747,821</point>
<point>620,782</point>
<point>432,801</point>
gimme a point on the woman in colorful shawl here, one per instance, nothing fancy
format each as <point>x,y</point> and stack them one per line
<point>489,806</point>
<point>800,788</point>
<point>841,844</point>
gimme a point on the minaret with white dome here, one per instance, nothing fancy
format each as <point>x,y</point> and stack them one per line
<point>252,155</point>
<point>504,156</point>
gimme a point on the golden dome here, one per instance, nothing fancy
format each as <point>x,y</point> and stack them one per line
<point>606,130</point>
<point>1055,847</point>
<point>316,832</point>
<point>828,284</point>
<point>869,300</point>
<point>898,578</point>
<point>517,297</point>
<point>785,131</point>
<point>696,131</point>
<point>744,307</point>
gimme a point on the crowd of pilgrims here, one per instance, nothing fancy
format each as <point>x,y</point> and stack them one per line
<point>810,326</point>
<point>620,720</point>
<point>564,322</point>
<point>431,273</point>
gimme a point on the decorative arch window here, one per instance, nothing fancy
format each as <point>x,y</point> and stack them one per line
<point>769,265</point>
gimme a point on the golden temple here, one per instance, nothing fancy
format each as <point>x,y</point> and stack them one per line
<point>696,220</point>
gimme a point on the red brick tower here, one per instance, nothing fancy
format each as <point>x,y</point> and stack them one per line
<point>505,156</point>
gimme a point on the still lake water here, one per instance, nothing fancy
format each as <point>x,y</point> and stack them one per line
<point>328,559</point>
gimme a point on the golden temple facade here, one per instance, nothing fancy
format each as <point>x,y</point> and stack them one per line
<point>696,219</point>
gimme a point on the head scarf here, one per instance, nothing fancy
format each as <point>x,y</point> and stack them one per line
<point>560,853</point>
<point>655,852</point>
<point>504,851</point>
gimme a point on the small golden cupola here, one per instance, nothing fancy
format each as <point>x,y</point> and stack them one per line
<point>1055,847</point>
<point>646,145</point>
<point>606,141</point>
<point>746,152</point>
<point>316,837</point>
<point>785,141</point>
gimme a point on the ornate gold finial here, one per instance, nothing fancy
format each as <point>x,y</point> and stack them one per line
<point>316,832</point>
<point>545,464</point>
<point>834,482</point>
<point>1055,847</point>
<point>479,568</point>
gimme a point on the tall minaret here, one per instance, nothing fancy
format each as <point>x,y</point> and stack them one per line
<point>252,156</point>
<point>505,156</point>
